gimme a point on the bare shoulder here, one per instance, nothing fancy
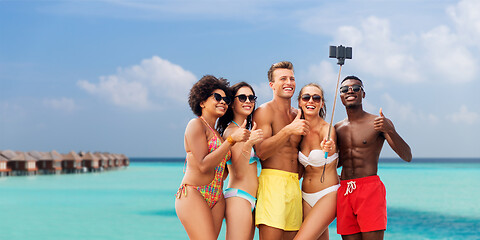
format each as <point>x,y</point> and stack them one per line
<point>194,126</point>
<point>264,112</point>
<point>341,124</point>
<point>229,130</point>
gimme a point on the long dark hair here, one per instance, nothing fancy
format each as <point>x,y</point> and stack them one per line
<point>225,120</point>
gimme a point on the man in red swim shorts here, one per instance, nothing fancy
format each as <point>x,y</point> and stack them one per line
<point>361,198</point>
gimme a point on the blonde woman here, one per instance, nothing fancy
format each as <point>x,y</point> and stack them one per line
<point>320,178</point>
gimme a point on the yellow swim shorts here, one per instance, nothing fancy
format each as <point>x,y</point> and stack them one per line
<point>279,200</point>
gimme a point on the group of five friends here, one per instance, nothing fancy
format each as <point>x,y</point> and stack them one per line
<point>229,135</point>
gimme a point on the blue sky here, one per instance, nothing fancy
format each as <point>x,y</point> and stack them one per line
<point>114,75</point>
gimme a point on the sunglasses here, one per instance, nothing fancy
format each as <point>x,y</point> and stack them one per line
<point>355,88</point>
<point>242,98</point>
<point>316,98</point>
<point>219,98</point>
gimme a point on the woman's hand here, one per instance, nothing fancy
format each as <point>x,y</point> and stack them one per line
<point>327,146</point>
<point>256,135</point>
<point>241,134</point>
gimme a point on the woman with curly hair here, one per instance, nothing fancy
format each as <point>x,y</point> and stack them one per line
<point>320,178</point>
<point>199,203</point>
<point>240,196</point>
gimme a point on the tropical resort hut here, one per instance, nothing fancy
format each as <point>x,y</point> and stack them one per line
<point>125,160</point>
<point>112,159</point>
<point>23,164</point>
<point>4,170</point>
<point>72,162</point>
<point>57,161</point>
<point>119,159</point>
<point>41,161</point>
<point>48,162</point>
<point>109,160</point>
<point>116,160</point>
<point>102,161</point>
<point>90,161</point>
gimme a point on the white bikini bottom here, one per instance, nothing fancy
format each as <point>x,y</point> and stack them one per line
<point>312,198</point>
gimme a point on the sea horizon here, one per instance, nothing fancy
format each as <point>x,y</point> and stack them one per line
<point>382,160</point>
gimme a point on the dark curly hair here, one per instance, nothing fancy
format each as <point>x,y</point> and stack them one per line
<point>323,110</point>
<point>203,89</point>
<point>224,120</point>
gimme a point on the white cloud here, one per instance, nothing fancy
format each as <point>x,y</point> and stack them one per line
<point>11,112</point>
<point>404,112</point>
<point>382,51</point>
<point>464,116</point>
<point>63,104</point>
<point>263,92</point>
<point>447,57</point>
<point>153,83</point>
<point>466,17</point>
<point>323,73</point>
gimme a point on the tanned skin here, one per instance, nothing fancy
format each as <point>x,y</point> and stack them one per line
<point>282,129</point>
<point>360,138</point>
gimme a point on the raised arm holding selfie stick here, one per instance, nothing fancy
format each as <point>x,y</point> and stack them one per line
<point>341,53</point>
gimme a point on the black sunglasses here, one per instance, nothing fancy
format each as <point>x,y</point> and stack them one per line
<point>316,98</point>
<point>355,88</point>
<point>219,98</point>
<point>242,98</point>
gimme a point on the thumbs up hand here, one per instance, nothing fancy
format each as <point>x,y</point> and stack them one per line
<point>256,135</point>
<point>241,134</point>
<point>383,124</point>
<point>298,126</point>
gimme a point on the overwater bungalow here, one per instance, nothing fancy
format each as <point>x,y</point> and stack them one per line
<point>23,164</point>
<point>14,163</point>
<point>112,159</point>
<point>119,159</point>
<point>4,170</point>
<point>90,161</point>
<point>9,154</point>
<point>72,162</point>
<point>102,162</point>
<point>48,162</point>
<point>125,159</point>
<point>109,160</point>
<point>57,161</point>
<point>41,160</point>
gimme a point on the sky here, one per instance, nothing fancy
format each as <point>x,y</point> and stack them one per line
<point>114,75</point>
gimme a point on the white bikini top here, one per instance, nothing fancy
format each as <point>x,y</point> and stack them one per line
<point>316,158</point>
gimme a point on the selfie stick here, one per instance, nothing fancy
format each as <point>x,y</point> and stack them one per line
<point>341,53</point>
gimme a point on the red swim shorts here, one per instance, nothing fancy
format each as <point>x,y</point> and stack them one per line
<point>361,205</point>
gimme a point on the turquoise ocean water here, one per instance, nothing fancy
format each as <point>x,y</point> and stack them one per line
<point>435,199</point>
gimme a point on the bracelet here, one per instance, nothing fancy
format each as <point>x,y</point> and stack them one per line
<point>230,140</point>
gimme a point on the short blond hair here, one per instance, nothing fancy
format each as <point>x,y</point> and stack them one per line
<point>278,65</point>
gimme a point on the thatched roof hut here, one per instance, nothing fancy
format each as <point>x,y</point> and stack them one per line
<point>91,161</point>
<point>72,162</point>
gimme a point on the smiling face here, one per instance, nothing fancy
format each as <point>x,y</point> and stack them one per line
<point>243,108</point>
<point>283,84</point>
<point>213,107</point>
<point>311,101</point>
<point>352,99</point>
